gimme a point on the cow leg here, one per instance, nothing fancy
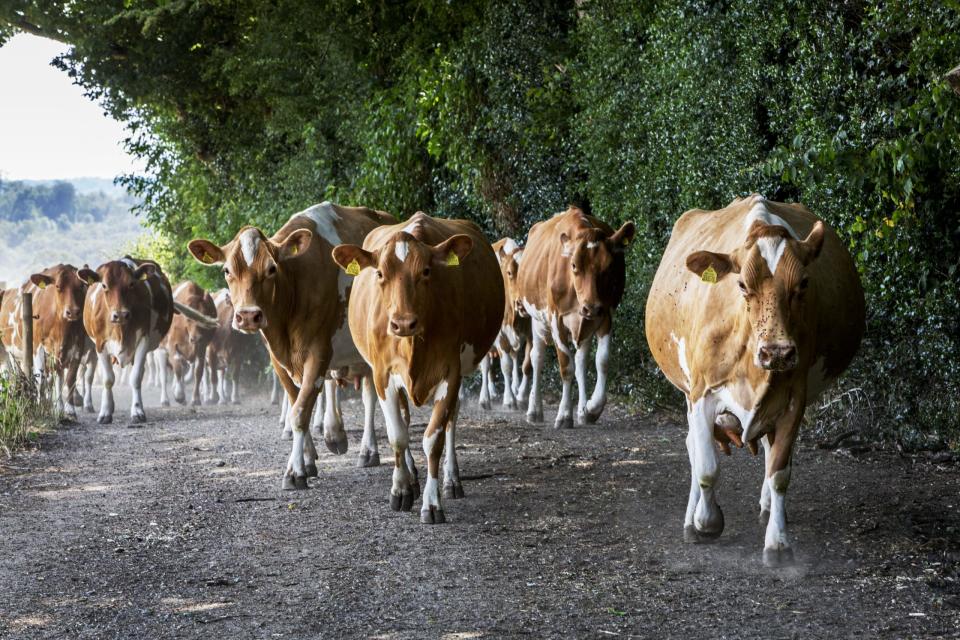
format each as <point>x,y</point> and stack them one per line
<point>106,397</point>
<point>89,371</point>
<point>369,450</point>
<point>213,382</point>
<point>565,410</point>
<point>180,368</point>
<point>485,383</point>
<point>275,390</point>
<point>491,384</point>
<point>285,433</point>
<point>401,493</point>
<point>136,382</point>
<point>222,388</point>
<point>526,372</point>
<point>198,380</point>
<point>160,357</point>
<point>452,486</point>
<point>538,351</point>
<point>776,549</point>
<point>599,398</point>
<point>580,371</point>
<point>234,370</point>
<point>506,368</point>
<point>334,434</point>
<point>704,518</point>
<point>70,378</point>
<point>765,486</point>
<point>303,454</point>
<point>442,420</point>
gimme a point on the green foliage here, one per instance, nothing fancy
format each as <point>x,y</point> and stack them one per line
<point>503,111</point>
<point>24,414</point>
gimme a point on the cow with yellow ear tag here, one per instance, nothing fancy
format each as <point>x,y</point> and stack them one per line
<point>427,303</point>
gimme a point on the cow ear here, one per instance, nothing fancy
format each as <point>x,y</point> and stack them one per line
<point>711,267</point>
<point>810,248</point>
<point>623,236</point>
<point>566,246</point>
<point>41,280</point>
<point>353,259</point>
<point>206,252</point>
<point>453,250</point>
<point>144,271</point>
<point>296,244</point>
<point>88,275</point>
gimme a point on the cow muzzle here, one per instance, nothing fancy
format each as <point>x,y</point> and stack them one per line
<point>404,325</point>
<point>777,356</point>
<point>71,314</point>
<point>591,311</point>
<point>120,316</point>
<point>249,319</point>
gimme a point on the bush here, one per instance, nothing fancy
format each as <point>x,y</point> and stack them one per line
<point>24,413</point>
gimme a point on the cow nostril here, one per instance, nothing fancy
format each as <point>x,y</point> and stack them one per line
<point>412,324</point>
<point>788,353</point>
<point>257,316</point>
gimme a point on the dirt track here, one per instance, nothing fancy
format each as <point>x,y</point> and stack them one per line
<point>179,529</point>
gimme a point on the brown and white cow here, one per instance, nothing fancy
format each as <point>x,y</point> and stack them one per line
<point>184,348</point>
<point>427,303</point>
<point>288,288</point>
<point>570,281</point>
<point>513,342</point>
<point>226,354</point>
<point>754,309</point>
<point>128,310</point>
<point>58,295</point>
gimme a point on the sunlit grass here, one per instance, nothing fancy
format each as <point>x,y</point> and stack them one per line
<point>25,413</point>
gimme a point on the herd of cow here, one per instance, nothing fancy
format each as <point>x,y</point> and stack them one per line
<point>754,309</point>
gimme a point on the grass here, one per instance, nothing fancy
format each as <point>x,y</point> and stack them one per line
<point>24,413</point>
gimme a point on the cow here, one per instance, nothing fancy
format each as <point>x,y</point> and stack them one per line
<point>58,334</point>
<point>427,303</point>
<point>512,344</point>
<point>570,281</point>
<point>128,310</point>
<point>288,288</point>
<point>754,310</point>
<point>226,353</point>
<point>184,348</point>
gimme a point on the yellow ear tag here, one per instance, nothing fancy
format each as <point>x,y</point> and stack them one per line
<point>207,257</point>
<point>144,275</point>
<point>353,268</point>
<point>453,260</point>
<point>626,241</point>
<point>709,275</point>
<point>42,285</point>
<point>295,250</point>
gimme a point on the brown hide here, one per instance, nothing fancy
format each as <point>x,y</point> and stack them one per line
<point>127,300</point>
<point>459,308</point>
<point>716,321</point>
<point>186,337</point>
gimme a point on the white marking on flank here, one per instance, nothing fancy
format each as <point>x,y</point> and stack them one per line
<point>682,357</point>
<point>324,218</point>
<point>249,243</point>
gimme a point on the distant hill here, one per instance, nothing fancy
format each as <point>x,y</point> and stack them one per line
<point>44,222</point>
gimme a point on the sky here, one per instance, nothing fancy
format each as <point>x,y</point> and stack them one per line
<point>48,129</point>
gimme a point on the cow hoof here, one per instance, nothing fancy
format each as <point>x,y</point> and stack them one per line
<point>294,483</point>
<point>764,517</point>
<point>590,417</point>
<point>311,470</point>
<point>564,422</point>
<point>286,434</point>
<point>402,502</point>
<point>776,558</point>
<point>89,408</point>
<point>338,446</point>
<point>235,402</point>
<point>104,419</point>
<point>453,490</point>
<point>138,418</point>
<point>164,403</point>
<point>486,405</point>
<point>535,418</point>
<point>432,516</point>
<point>691,535</point>
<point>368,459</point>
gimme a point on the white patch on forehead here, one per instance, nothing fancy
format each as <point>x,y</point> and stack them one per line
<point>412,228</point>
<point>771,248</point>
<point>180,287</point>
<point>509,247</point>
<point>591,245</point>
<point>249,243</point>
<point>324,217</point>
<point>96,291</point>
<point>401,250</point>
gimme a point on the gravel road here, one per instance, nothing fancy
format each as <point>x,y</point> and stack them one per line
<point>178,529</point>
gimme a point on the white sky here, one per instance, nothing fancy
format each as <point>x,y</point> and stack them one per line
<point>48,129</point>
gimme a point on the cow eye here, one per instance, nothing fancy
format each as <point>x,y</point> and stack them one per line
<point>573,265</point>
<point>226,272</point>
<point>803,284</point>
<point>426,272</point>
<point>271,270</point>
<point>743,288</point>
<point>379,275</point>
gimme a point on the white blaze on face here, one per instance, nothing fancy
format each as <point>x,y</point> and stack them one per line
<point>249,243</point>
<point>771,248</point>
<point>401,250</point>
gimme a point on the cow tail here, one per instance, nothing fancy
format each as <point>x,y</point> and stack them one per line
<point>196,316</point>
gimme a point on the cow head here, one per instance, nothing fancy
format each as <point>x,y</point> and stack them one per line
<point>68,289</point>
<point>771,270</point>
<point>404,271</point>
<point>509,256</point>
<point>118,281</point>
<point>595,261</point>
<point>254,268</point>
